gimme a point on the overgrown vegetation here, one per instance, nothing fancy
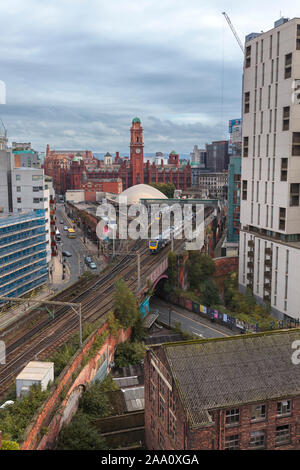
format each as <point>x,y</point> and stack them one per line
<point>81,434</point>
<point>201,269</point>
<point>244,307</point>
<point>15,418</point>
<point>171,283</point>
<point>126,308</point>
<point>129,353</point>
<point>10,445</point>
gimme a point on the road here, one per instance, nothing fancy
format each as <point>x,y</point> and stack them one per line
<point>75,246</point>
<point>189,321</point>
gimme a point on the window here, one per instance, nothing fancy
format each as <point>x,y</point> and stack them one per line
<point>161,411</point>
<point>18,189</point>
<point>19,200</point>
<point>258,412</point>
<point>161,440</point>
<point>248,56</point>
<point>288,66</point>
<point>244,190</point>
<point>37,177</point>
<point>286,118</point>
<point>284,407</point>
<point>247,102</point>
<point>284,169</point>
<point>283,434</point>
<point>257,439</point>
<point>282,212</point>
<point>298,38</point>
<point>172,425</point>
<point>152,391</point>
<point>233,416</point>
<point>35,189</point>
<point>296,144</point>
<point>36,200</point>
<point>246,144</point>
<point>232,442</point>
<point>18,177</point>
<point>294,194</point>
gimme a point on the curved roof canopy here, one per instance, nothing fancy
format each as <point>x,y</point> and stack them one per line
<point>136,119</point>
<point>142,191</point>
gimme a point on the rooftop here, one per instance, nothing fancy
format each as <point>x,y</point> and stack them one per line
<point>35,370</point>
<point>224,372</point>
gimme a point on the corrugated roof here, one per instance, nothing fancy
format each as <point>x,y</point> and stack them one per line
<point>134,398</point>
<point>224,372</point>
<point>35,370</point>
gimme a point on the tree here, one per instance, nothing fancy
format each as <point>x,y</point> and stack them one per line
<point>125,305</point>
<point>210,293</point>
<point>200,268</point>
<point>94,402</point>
<point>129,353</point>
<point>166,188</point>
<point>80,434</point>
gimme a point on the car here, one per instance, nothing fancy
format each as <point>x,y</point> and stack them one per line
<point>66,253</point>
<point>66,228</point>
<point>62,221</point>
<point>88,260</point>
<point>93,265</point>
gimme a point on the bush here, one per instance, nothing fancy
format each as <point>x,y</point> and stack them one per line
<point>10,445</point>
<point>129,353</point>
<point>80,434</point>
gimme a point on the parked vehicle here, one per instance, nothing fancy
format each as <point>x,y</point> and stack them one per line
<point>66,228</point>
<point>93,265</point>
<point>88,260</point>
<point>62,221</point>
<point>66,253</point>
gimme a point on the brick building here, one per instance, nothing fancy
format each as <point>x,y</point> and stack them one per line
<point>240,392</point>
<point>73,170</point>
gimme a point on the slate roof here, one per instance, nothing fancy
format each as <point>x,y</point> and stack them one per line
<point>224,372</point>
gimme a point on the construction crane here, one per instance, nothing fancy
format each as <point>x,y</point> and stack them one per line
<point>234,31</point>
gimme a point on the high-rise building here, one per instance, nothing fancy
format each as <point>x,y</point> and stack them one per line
<point>234,180</point>
<point>217,157</point>
<point>270,180</point>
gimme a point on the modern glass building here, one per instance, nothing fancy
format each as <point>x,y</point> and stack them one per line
<point>234,196</point>
<point>23,255</point>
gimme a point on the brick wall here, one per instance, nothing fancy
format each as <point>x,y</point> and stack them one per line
<point>50,416</point>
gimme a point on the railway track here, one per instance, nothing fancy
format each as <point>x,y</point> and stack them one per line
<point>48,333</point>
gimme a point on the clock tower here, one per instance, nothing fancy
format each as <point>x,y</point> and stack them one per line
<point>137,152</point>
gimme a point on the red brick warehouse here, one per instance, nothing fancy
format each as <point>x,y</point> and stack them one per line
<point>77,169</point>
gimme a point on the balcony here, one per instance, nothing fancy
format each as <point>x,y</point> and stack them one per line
<point>268,287</point>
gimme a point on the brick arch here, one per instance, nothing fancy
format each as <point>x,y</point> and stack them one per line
<point>163,276</point>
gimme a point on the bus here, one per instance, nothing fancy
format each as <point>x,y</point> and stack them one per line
<point>71,233</point>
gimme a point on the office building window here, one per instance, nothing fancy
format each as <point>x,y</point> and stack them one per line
<point>294,194</point>
<point>247,102</point>
<point>18,189</point>
<point>257,439</point>
<point>246,143</point>
<point>286,118</point>
<point>282,213</point>
<point>288,66</point>
<point>298,38</point>
<point>248,56</point>
<point>258,412</point>
<point>232,442</point>
<point>284,169</point>
<point>283,434</point>
<point>244,190</point>
<point>233,416</point>
<point>284,407</point>
<point>296,144</point>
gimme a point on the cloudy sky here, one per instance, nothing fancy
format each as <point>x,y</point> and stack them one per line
<point>78,71</point>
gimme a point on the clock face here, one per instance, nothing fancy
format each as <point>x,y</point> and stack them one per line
<point>137,150</point>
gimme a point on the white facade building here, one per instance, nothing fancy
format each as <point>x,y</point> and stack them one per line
<point>30,191</point>
<point>270,182</point>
